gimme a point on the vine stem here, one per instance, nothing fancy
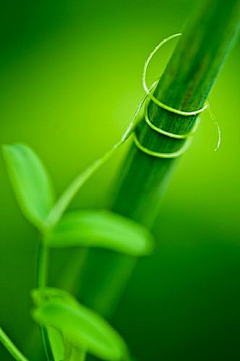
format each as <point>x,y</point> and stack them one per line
<point>13,350</point>
<point>42,265</point>
<point>42,272</point>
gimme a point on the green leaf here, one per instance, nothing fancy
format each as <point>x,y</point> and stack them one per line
<point>56,342</point>
<point>30,182</point>
<point>101,229</point>
<point>80,326</point>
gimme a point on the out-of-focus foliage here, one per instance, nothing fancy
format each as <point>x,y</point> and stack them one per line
<point>101,229</point>
<point>77,324</point>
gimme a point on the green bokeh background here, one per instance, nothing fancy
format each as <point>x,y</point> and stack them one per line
<point>70,81</point>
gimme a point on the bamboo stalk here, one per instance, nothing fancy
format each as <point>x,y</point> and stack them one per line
<point>185,84</point>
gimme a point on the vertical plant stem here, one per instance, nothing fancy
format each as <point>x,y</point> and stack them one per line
<point>185,85</point>
<point>42,281</point>
<point>13,350</point>
<point>42,265</point>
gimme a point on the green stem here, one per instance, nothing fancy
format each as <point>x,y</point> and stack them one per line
<point>185,85</point>
<point>42,281</point>
<point>13,350</point>
<point>42,265</point>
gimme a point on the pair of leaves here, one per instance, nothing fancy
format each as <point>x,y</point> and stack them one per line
<point>57,310</point>
<point>84,228</point>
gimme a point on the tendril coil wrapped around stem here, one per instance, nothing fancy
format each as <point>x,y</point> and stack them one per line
<point>151,97</point>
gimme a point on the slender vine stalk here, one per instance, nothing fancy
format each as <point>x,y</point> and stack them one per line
<point>13,350</point>
<point>42,274</point>
<point>43,265</point>
<point>185,85</point>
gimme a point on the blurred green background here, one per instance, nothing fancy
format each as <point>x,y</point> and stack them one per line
<point>70,81</point>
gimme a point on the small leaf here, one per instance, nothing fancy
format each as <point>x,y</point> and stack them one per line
<point>101,229</point>
<point>30,182</point>
<point>56,342</point>
<point>79,325</point>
